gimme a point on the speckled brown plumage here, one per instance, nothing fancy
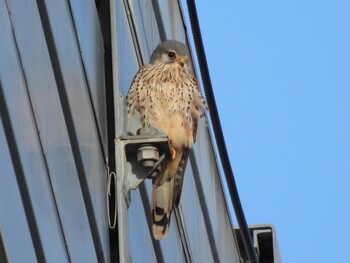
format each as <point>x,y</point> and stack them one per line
<point>167,96</point>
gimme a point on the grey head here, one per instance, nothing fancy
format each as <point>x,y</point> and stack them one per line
<point>170,51</point>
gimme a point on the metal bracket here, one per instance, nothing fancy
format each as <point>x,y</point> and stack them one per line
<point>141,155</point>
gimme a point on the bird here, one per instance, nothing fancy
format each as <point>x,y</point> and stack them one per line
<point>166,94</point>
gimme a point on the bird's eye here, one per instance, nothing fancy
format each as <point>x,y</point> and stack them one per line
<point>171,54</point>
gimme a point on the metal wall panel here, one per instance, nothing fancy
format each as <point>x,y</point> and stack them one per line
<point>90,43</point>
<point>141,244</point>
<point>14,230</point>
<point>26,154</point>
<point>54,141</point>
<point>214,197</point>
<point>172,20</point>
<point>53,131</point>
<point>195,227</point>
<point>127,58</point>
<point>80,120</point>
<point>52,86</point>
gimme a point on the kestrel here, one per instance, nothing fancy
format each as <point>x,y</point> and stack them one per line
<point>167,95</point>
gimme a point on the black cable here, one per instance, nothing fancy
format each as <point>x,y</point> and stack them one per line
<point>219,138</point>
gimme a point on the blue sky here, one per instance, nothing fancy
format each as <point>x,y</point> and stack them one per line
<point>281,76</point>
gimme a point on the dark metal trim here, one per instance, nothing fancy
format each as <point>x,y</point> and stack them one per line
<point>3,256</point>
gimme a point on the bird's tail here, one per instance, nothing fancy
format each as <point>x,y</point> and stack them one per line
<point>162,206</point>
<point>166,189</point>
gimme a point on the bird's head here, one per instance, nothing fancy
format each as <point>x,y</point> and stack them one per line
<point>170,51</point>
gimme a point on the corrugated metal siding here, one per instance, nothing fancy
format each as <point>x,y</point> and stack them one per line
<point>54,145</point>
<point>53,123</point>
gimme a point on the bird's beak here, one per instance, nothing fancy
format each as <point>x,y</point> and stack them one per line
<point>181,60</point>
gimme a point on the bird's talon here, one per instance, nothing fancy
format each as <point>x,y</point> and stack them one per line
<point>173,153</point>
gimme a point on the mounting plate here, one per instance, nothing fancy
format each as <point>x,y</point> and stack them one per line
<point>134,172</point>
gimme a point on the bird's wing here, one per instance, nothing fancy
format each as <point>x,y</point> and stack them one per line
<point>179,176</point>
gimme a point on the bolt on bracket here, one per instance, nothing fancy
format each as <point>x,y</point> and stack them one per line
<point>141,155</point>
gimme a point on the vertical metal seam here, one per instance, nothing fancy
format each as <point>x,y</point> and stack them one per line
<point>147,208</point>
<point>116,131</point>
<point>87,82</point>
<point>205,210</point>
<point>20,177</point>
<point>39,138</point>
<point>159,20</point>
<point>171,17</point>
<point>182,233</point>
<point>70,127</point>
<point>133,32</point>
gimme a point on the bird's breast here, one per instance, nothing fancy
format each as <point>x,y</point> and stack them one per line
<point>171,113</point>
